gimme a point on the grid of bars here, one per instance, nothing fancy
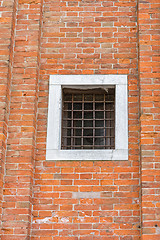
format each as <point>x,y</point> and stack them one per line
<point>88,119</point>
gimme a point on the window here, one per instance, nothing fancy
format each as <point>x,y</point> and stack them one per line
<point>87,117</point>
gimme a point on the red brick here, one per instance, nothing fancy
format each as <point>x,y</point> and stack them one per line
<point>77,37</point>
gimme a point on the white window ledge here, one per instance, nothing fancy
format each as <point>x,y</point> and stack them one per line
<point>56,83</point>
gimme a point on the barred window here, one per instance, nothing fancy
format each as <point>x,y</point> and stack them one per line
<point>88,118</point>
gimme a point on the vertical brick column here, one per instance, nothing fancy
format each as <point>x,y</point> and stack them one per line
<point>87,37</point>
<point>149,26</point>
<point>21,125</point>
<point>6,40</point>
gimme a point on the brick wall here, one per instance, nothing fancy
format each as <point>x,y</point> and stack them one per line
<point>6,44</point>
<point>80,200</point>
<point>19,165</point>
<point>149,29</point>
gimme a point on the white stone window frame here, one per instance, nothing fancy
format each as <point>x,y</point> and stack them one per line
<point>53,147</point>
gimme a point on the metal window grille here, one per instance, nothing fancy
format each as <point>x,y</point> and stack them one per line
<point>88,119</point>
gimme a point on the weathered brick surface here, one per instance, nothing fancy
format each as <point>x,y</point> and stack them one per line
<point>149,27</point>
<point>6,40</point>
<point>18,180</point>
<point>86,37</point>
<point>80,200</point>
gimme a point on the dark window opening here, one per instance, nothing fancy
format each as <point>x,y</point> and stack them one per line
<point>88,119</point>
